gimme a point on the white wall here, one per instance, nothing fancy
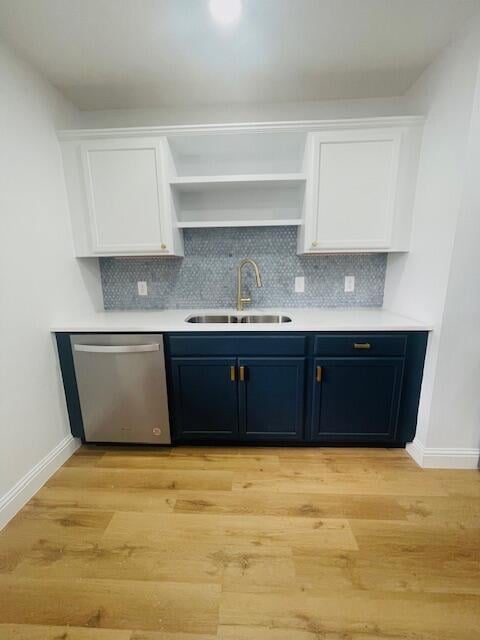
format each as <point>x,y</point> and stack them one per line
<point>455,412</point>
<point>417,282</point>
<point>268,112</point>
<point>39,277</point>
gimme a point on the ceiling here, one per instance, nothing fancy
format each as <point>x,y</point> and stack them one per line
<point>108,54</point>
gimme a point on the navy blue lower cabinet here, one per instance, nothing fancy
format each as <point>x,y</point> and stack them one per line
<point>338,388</point>
<point>271,398</point>
<point>204,398</point>
<point>356,399</point>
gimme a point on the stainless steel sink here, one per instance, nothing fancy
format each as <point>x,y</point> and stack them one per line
<point>213,319</point>
<point>224,319</point>
<point>265,319</point>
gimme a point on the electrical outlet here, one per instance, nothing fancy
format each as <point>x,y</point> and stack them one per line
<point>349,284</point>
<point>299,284</point>
<point>142,288</point>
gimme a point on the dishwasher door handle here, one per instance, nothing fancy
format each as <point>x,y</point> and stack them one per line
<point>130,348</point>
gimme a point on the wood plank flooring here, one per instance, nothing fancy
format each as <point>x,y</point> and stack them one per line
<point>244,544</point>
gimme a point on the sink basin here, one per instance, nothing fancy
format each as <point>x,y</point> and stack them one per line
<point>264,319</point>
<point>213,318</point>
<point>224,319</point>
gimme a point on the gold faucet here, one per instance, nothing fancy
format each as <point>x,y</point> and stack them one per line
<point>241,301</point>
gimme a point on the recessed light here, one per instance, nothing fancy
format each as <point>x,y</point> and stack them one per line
<point>225,11</point>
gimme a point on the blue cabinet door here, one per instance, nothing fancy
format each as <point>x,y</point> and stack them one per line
<point>271,398</point>
<point>355,399</point>
<point>204,398</point>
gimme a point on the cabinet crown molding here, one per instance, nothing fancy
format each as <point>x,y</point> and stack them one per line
<point>246,127</point>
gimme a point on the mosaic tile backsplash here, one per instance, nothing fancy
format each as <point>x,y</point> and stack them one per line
<point>206,276</point>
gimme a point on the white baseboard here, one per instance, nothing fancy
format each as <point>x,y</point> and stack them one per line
<point>442,458</point>
<point>415,451</point>
<point>12,501</point>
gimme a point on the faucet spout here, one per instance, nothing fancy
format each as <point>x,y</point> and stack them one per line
<point>241,300</point>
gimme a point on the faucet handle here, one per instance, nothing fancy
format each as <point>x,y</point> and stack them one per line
<point>241,302</point>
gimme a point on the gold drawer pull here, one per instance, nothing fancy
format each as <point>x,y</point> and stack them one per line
<point>318,374</point>
<point>361,345</point>
<point>242,373</point>
<point>233,373</point>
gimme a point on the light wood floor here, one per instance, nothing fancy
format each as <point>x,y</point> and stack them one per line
<point>244,544</point>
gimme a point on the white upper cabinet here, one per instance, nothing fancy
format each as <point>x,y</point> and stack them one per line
<point>347,185</point>
<point>359,193</point>
<point>356,175</point>
<point>119,197</point>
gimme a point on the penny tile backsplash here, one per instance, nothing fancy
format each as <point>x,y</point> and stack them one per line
<point>206,276</point>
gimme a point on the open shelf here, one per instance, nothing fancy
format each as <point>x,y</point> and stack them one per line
<point>239,203</point>
<point>194,183</point>
<point>232,180</point>
<point>205,224</point>
<point>236,154</point>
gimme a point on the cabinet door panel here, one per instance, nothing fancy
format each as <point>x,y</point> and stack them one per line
<point>356,399</point>
<point>205,398</point>
<point>123,187</point>
<point>354,200</point>
<point>271,398</point>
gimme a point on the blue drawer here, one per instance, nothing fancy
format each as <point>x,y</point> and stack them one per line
<point>360,345</point>
<point>237,345</point>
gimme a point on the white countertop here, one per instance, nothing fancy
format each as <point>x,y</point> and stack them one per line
<point>311,319</point>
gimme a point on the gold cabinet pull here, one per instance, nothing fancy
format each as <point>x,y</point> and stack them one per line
<point>242,373</point>
<point>361,345</point>
<point>233,373</point>
<point>318,374</point>
<point>163,246</point>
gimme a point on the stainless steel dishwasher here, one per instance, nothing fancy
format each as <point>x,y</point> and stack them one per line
<point>122,387</point>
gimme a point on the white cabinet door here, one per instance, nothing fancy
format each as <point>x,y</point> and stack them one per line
<point>354,177</point>
<point>124,191</point>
